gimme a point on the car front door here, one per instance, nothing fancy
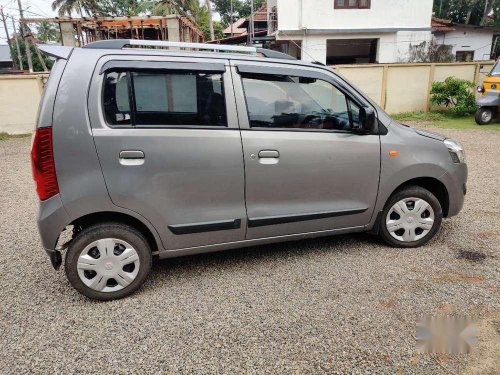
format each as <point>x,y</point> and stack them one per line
<point>308,167</point>
<point>168,140</point>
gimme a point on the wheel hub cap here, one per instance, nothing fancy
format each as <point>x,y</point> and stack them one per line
<point>410,219</point>
<point>486,116</point>
<point>108,265</point>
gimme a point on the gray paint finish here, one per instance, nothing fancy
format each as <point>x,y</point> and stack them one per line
<point>190,178</point>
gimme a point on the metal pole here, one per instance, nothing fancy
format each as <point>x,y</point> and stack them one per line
<point>23,35</point>
<point>7,34</point>
<point>17,45</point>
<point>209,10</point>
<point>232,18</point>
<point>251,23</point>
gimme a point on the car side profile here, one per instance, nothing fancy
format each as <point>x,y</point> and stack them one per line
<point>148,152</point>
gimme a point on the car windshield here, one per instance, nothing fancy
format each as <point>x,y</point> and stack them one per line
<point>496,70</point>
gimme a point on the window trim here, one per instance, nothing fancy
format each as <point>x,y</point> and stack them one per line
<point>132,101</point>
<point>345,92</point>
<point>347,6</point>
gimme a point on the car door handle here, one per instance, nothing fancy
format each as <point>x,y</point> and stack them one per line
<point>131,154</point>
<point>269,154</point>
<point>269,157</point>
<point>132,157</point>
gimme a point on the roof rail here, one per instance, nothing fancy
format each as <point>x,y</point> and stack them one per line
<point>122,43</point>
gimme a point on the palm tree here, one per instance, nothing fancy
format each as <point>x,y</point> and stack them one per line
<point>66,7</point>
<point>47,32</point>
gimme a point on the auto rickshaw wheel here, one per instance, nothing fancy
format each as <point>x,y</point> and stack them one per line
<point>484,115</point>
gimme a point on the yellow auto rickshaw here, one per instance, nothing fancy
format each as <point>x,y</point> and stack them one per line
<point>489,102</point>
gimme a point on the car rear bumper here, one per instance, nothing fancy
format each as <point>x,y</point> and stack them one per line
<point>52,219</point>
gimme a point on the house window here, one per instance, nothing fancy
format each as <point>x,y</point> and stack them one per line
<point>465,56</point>
<point>352,4</point>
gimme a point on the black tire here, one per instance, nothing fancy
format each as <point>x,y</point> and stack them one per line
<point>411,192</point>
<point>482,113</point>
<point>108,230</point>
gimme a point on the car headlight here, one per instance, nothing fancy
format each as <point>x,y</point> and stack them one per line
<point>456,150</point>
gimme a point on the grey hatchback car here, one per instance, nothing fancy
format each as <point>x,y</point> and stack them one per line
<point>164,152</point>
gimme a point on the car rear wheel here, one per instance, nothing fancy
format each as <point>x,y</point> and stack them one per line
<point>108,261</point>
<point>411,217</point>
<point>484,116</point>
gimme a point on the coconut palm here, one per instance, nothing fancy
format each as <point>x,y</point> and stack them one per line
<point>66,7</point>
<point>47,32</point>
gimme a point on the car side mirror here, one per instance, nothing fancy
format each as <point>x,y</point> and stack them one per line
<point>367,119</point>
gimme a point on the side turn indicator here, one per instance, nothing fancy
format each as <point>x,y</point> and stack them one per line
<point>393,153</point>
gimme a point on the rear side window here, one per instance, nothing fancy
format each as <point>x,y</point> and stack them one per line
<point>164,98</point>
<point>116,98</point>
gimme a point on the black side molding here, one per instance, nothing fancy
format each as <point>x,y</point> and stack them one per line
<point>212,226</point>
<point>273,220</point>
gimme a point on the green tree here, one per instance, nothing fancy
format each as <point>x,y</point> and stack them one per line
<point>48,32</point>
<point>122,8</point>
<point>192,8</point>
<point>242,8</point>
<point>456,94</point>
<point>37,66</point>
<point>81,7</point>
<point>472,12</point>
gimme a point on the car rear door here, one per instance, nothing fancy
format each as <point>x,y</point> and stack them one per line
<point>168,141</point>
<point>307,169</point>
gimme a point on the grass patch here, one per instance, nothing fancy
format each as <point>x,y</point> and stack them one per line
<point>5,136</point>
<point>444,120</point>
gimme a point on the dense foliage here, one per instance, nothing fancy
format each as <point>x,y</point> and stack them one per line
<point>37,65</point>
<point>472,12</point>
<point>241,8</point>
<point>456,94</point>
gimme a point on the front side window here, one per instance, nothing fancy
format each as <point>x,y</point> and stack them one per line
<point>166,98</point>
<point>288,102</point>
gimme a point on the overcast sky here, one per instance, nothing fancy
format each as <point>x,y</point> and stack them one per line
<point>32,8</point>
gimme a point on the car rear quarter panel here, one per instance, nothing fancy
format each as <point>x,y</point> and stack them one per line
<point>81,183</point>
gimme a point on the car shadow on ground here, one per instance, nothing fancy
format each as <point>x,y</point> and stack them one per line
<point>278,252</point>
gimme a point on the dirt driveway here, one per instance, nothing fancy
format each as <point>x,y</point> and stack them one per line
<point>333,305</point>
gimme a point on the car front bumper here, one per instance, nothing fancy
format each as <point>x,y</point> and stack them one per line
<point>456,184</point>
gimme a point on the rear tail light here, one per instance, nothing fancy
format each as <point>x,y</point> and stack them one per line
<point>42,163</point>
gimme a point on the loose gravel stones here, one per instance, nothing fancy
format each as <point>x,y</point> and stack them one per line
<point>345,304</point>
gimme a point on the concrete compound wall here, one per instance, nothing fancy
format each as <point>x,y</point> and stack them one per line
<point>406,87</point>
<point>395,87</point>
<point>19,98</point>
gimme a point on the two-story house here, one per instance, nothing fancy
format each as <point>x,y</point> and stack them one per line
<point>350,31</point>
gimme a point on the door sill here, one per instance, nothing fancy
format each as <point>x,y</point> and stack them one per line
<point>255,242</point>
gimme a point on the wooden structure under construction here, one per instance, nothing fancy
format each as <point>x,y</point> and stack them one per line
<point>81,31</point>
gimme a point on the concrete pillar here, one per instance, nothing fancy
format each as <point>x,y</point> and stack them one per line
<point>173,30</point>
<point>67,34</point>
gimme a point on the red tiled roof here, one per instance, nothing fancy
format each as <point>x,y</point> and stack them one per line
<point>259,15</point>
<point>440,24</point>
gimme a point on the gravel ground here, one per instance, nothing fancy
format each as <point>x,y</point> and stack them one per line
<point>333,305</point>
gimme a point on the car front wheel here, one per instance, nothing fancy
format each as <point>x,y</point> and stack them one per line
<point>411,217</point>
<point>108,261</point>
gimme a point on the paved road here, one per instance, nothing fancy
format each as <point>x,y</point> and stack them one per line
<point>333,305</point>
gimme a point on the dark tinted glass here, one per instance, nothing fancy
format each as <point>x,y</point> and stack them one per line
<point>179,98</point>
<point>297,103</point>
<point>116,99</point>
